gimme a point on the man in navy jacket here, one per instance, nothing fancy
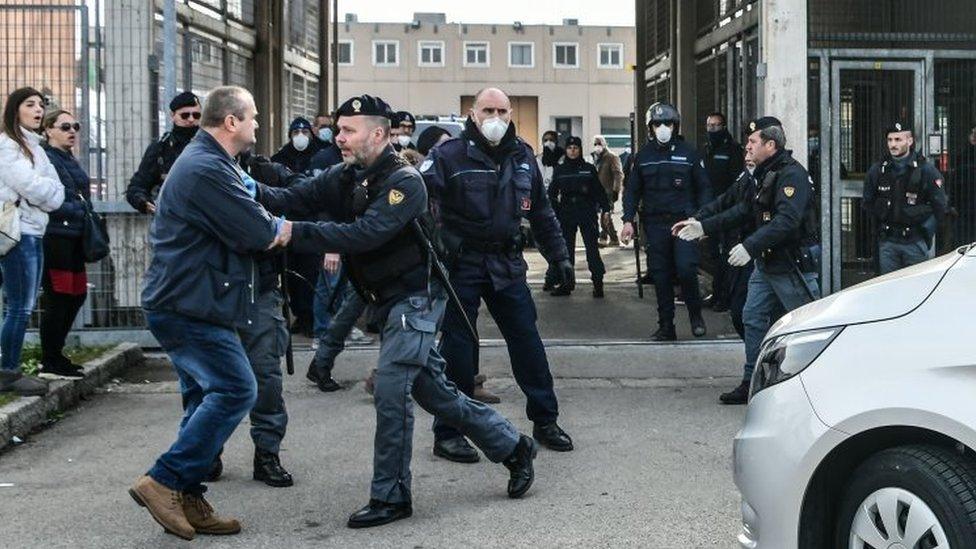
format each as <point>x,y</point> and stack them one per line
<point>200,287</point>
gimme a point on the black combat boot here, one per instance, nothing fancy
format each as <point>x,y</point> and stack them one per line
<point>519,465</point>
<point>698,325</point>
<point>598,287</point>
<point>552,437</point>
<point>378,512</point>
<point>739,395</point>
<point>665,332</point>
<point>456,449</point>
<point>268,469</point>
<point>561,291</point>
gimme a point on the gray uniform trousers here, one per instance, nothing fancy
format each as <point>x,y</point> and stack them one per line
<point>410,366</point>
<point>265,341</point>
<point>894,255</point>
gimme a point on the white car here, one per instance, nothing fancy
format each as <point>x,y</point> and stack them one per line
<point>861,426</point>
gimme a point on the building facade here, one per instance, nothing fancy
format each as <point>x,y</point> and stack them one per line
<point>572,78</point>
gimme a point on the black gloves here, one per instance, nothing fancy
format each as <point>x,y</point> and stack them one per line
<point>267,172</point>
<point>567,275</point>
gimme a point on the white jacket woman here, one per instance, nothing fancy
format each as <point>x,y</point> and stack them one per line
<point>36,184</point>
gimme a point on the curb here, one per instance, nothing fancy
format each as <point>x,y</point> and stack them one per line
<point>22,416</point>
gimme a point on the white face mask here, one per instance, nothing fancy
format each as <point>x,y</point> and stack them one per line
<point>551,145</point>
<point>300,141</point>
<point>663,133</point>
<point>494,129</point>
<point>403,140</point>
<point>598,149</point>
<point>325,134</point>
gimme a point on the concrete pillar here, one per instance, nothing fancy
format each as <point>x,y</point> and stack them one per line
<point>325,25</point>
<point>683,78</point>
<point>269,62</point>
<point>783,71</point>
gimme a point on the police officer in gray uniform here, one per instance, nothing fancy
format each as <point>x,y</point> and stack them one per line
<point>377,204</point>
<point>904,194</point>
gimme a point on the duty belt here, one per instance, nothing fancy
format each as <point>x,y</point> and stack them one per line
<point>907,233</point>
<point>514,244</point>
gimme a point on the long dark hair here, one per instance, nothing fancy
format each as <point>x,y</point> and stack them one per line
<point>11,122</point>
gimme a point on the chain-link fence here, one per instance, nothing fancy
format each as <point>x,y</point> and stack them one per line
<point>100,60</point>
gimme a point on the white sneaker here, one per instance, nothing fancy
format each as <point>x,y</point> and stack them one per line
<point>357,337</point>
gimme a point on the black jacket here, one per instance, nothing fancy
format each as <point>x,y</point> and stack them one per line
<point>908,206</point>
<point>204,236</point>
<point>68,220</point>
<point>742,190</point>
<point>782,211</point>
<point>155,165</point>
<point>575,183</point>
<point>724,161</point>
<point>369,224</point>
<point>296,160</point>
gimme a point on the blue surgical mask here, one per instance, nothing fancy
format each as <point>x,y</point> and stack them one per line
<point>325,134</point>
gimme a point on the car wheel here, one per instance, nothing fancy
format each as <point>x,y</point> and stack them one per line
<point>910,497</point>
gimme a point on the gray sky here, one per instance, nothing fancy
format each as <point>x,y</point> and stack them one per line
<point>589,12</point>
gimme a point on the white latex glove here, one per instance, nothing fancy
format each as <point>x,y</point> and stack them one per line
<point>739,257</point>
<point>692,230</point>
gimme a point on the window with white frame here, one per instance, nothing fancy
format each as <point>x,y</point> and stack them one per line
<point>611,56</point>
<point>476,54</point>
<point>386,53</point>
<point>521,54</point>
<point>430,53</point>
<point>565,55</point>
<point>344,52</point>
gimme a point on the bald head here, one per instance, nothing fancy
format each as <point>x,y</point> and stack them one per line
<point>491,102</point>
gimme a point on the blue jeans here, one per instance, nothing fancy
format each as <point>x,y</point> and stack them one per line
<point>770,296</point>
<point>22,268</point>
<point>514,313</point>
<point>325,286</point>
<point>894,255</point>
<point>218,389</point>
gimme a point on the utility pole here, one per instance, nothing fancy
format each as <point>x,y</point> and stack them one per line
<point>169,51</point>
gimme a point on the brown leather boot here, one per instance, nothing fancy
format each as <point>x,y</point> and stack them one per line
<point>483,395</point>
<point>200,514</point>
<point>165,506</point>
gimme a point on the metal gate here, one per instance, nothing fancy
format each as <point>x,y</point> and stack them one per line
<point>869,90</point>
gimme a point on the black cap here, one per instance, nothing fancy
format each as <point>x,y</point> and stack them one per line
<point>550,132</point>
<point>299,123</point>
<point>899,127</point>
<point>573,140</point>
<point>429,137</point>
<point>365,105</point>
<point>404,116</point>
<point>185,99</point>
<point>763,123</point>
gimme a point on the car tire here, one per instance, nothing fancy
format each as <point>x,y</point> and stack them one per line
<point>934,486</point>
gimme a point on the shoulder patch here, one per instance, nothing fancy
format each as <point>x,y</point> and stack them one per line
<point>788,191</point>
<point>395,197</point>
<point>426,165</point>
<point>938,183</point>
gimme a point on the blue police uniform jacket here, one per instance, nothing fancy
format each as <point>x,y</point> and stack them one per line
<point>475,201</point>
<point>668,182</point>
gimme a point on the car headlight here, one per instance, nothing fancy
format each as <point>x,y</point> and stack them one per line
<point>785,356</point>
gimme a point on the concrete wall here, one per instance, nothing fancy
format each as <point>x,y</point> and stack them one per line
<point>587,91</point>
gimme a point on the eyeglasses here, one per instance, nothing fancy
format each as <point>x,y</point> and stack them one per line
<point>186,115</point>
<point>68,127</point>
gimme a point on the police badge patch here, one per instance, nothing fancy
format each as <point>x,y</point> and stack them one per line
<point>395,197</point>
<point>789,191</point>
<point>426,165</point>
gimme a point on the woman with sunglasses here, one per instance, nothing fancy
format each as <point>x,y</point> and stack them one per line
<point>64,280</point>
<point>30,181</point>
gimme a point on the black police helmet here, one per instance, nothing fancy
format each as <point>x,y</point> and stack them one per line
<point>662,112</point>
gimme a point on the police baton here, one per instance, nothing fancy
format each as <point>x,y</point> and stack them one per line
<point>443,276</point>
<point>286,312</point>
<point>640,277</point>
